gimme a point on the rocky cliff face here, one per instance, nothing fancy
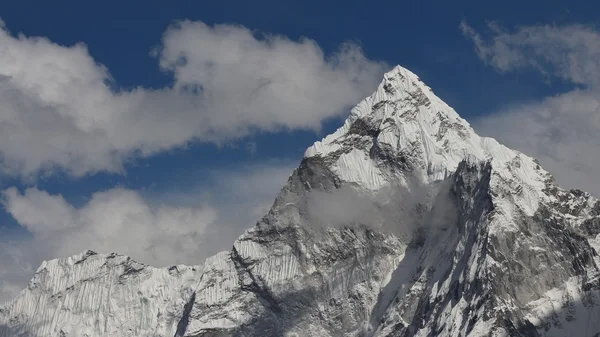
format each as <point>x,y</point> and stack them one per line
<point>461,237</point>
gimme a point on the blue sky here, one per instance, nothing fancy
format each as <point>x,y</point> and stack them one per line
<point>510,64</point>
<point>420,35</point>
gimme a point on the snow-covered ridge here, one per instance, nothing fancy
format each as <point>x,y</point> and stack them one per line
<point>510,254</point>
<point>97,294</point>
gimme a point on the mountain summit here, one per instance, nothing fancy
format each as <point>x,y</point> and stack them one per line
<point>403,222</point>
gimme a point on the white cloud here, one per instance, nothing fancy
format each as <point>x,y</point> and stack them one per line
<point>570,52</point>
<point>191,227</point>
<point>397,208</point>
<point>561,130</point>
<point>57,108</point>
<point>114,220</point>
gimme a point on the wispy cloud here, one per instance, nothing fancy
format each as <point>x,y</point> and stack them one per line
<point>569,52</point>
<point>561,130</point>
<point>399,209</point>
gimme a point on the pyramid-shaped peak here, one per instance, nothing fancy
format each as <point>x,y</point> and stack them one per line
<point>400,99</point>
<point>403,124</point>
<point>404,80</point>
<point>401,86</point>
<point>399,72</point>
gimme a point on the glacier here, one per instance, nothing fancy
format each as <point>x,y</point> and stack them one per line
<point>488,246</point>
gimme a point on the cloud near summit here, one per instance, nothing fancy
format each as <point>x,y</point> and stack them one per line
<point>59,108</point>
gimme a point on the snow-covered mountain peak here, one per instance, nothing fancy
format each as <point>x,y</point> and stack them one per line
<point>407,127</point>
<point>494,249</point>
<point>400,84</point>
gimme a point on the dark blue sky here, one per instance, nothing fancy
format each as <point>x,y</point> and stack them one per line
<point>420,35</point>
<point>423,36</point>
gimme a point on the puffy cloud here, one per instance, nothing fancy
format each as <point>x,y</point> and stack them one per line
<point>561,130</point>
<point>187,229</point>
<point>59,108</point>
<point>265,83</point>
<point>114,220</point>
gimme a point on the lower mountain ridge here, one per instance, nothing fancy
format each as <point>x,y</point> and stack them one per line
<point>464,237</point>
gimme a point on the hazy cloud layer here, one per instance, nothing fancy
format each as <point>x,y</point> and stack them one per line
<point>562,130</point>
<point>58,109</point>
<point>397,209</point>
<point>191,227</point>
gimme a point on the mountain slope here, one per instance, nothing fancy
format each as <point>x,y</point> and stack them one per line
<point>403,222</point>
